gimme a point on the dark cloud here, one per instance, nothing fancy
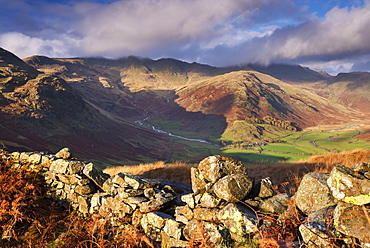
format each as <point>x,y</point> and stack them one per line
<point>217,32</point>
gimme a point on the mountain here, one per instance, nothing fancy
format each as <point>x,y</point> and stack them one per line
<point>42,111</point>
<point>115,110</point>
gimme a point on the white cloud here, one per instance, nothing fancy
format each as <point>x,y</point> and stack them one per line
<point>141,27</point>
<point>341,34</point>
<point>25,46</point>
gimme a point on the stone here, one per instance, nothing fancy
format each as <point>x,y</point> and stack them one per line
<point>152,224</point>
<point>238,219</point>
<point>349,186</point>
<point>352,220</point>
<point>98,177</point>
<point>34,158</point>
<point>23,157</point>
<point>139,182</point>
<point>213,168</point>
<point>313,193</point>
<point>83,203</point>
<point>85,189</point>
<point>197,181</point>
<point>315,236</point>
<point>209,201</point>
<point>206,214</point>
<point>263,189</point>
<point>64,154</point>
<point>233,188</point>
<point>277,204</point>
<point>135,200</point>
<point>75,167</point>
<point>185,211</point>
<point>207,232</point>
<point>155,204</point>
<point>169,242</point>
<point>125,193</point>
<point>189,200</point>
<point>59,166</point>
<point>173,228</point>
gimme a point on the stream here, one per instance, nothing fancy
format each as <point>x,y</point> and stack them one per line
<point>142,123</point>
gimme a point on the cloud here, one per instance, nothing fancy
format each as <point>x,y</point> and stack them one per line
<point>24,46</point>
<point>152,26</point>
<point>341,36</point>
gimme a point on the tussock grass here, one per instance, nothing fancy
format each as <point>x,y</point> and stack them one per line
<point>176,171</point>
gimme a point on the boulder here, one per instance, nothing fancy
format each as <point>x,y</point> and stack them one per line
<point>349,186</point>
<point>277,204</point>
<point>233,188</point>
<point>238,219</point>
<point>313,193</point>
<point>213,168</point>
<point>352,220</point>
<point>64,154</point>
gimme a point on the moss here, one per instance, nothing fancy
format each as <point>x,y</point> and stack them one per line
<point>358,200</point>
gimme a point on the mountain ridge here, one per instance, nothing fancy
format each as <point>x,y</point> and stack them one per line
<point>176,95</point>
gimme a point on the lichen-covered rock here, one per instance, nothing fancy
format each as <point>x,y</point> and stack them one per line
<point>173,228</point>
<point>206,214</point>
<point>64,154</point>
<point>352,220</point>
<point>315,236</point>
<point>349,186</point>
<point>213,168</point>
<point>170,242</point>
<point>153,223</point>
<point>198,182</point>
<point>238,219</point>
<point>156,204</point>
<point>263,189</point>
<point>139,182</point>
<point>209,200</point>
<point>212,234</point>
<point>59,166</point>
<point>313,193</point>
<point>233,188</point>
<point>277,204</point>
<point>98,177</point>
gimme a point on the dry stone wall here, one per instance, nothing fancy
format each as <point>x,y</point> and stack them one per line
<point>222,200</point>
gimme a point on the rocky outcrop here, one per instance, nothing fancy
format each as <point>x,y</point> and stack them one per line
<point>224,204</point>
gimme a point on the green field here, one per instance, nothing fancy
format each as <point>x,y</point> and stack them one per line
<point>288,146</point>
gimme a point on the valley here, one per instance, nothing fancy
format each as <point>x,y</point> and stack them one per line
<point>100,108</point>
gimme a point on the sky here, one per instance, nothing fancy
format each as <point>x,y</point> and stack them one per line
<point>333,35</point>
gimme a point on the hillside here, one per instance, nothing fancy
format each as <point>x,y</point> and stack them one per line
<point>142,110</point>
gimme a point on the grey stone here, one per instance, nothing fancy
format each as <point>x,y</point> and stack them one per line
<point>315,236</point>
<point>173,228</point>
<point>352,220</point>
<point>98,177</point>
<point>139,182</point>
<point>313,193</point>
<point>206,214</point>
<point>75,167</point>
<point>64,154</point>
<point>233,188</point>
<point>169,242</point>
<point>349,186</point>
<point>238,219</point>
<point>277,204</point>
<point>213,168</point>
<point>59,166</point>
<point>34,158</point>
<point>209,200</point>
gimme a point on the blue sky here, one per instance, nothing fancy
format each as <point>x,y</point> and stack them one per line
<point>332,35</point>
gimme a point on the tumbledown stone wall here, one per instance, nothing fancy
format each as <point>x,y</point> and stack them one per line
<point>222,200</point>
